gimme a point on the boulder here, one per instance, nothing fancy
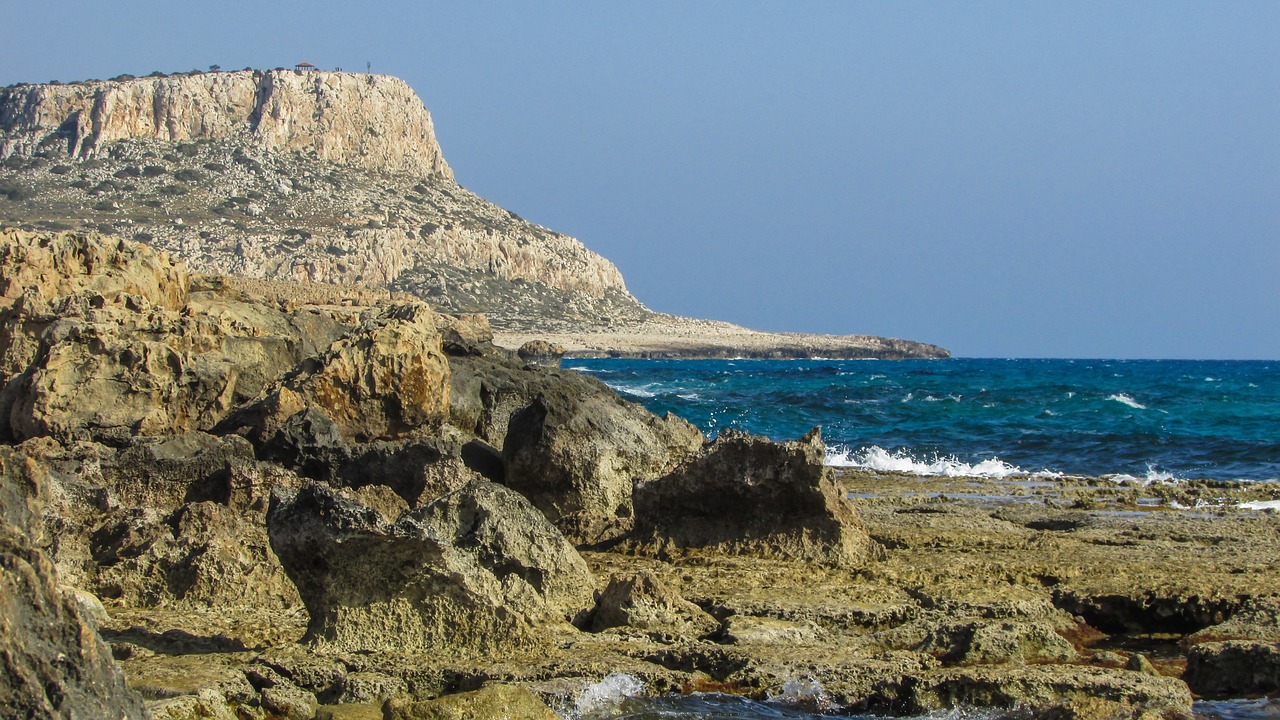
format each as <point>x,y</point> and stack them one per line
<point>475,570</point>
<point>417,469</point>
<point>1233,668</point>
<point>115,373</point>
<point>577,451</point>
<point>642,601</point>
<point>541,353</point>
<point>54,662</point>
<point>749,495</point>
<point>466,334</point>
<point>204,554</point>
<point>387,379</point>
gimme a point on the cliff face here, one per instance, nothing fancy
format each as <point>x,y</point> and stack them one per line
<point>371,121</point>
<point>324,177</point>
<point>314,176</point>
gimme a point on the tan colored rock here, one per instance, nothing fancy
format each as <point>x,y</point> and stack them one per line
<point>493,702</point>
<point>748,495</point>
<point>644,602</point>
<point>475,571</point>
<point>578,450</point>
<point>373,121</point>
<point>385,380</point>
<point>58,265</point>
<point>55,664</point>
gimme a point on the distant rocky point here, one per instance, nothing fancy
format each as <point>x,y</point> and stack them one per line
<point>332,177</point>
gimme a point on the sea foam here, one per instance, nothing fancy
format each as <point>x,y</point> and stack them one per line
<point>877,458</point>
<point>598,699</point>
<point>1124,399</point>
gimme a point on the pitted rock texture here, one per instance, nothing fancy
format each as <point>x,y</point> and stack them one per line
<point>578,449</point>
<point>385,380</point>
<point>475,571</point>
<point>749,495</point>
<point>52,662</point>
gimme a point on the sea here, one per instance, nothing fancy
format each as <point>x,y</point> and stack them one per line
<point>1145,420</point>
<point>1149,419</point>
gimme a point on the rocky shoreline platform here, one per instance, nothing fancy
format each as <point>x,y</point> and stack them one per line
<point>224,498</point>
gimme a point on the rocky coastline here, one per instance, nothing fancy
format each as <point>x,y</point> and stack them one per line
<point>335,178</point>
<point>222,499</point>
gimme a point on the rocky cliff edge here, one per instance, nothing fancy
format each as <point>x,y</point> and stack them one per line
<point>372,121</point>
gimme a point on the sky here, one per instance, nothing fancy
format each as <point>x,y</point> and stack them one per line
<point>1004,179</point>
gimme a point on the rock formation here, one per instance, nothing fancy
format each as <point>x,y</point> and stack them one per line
<point>472,572</point>
<point>373,121</point>
<point>578,449</point>
<point>384,380</point>
<point>208,521</point>
<point>54,663</point>
<point>748,495</point>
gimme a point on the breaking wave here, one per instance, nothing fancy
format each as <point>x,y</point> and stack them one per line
<point>1124,399</point>
<point>877,458</point>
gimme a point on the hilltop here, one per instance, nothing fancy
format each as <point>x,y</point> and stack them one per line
<point>337,178</point>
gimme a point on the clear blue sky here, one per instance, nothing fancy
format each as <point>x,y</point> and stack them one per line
<point>1003,179</point>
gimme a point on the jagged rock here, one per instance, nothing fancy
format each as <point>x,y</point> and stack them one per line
<point>169,471</point>
<point>1234,668</point>
<point>60,265</point>
<point>493,702</point>
<point>205,554</point>
<point>1258,620</point>
<point>578,449</point>
<point>749,495</point>
<point>418,469</point>
<point>473,571</point>
<point>385,380</point>
<point>54,662</point>
<point>541,353</point>
<point>644,602</point>
<point>466,334</point>
<point>87,354</point>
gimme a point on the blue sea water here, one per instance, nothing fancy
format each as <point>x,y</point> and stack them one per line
<point>1156,419</point>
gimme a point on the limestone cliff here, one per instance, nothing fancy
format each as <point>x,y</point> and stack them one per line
<point>321,177</point>
<point>373,121</point>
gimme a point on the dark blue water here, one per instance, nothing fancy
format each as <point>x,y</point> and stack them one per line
<point>1158,419</point>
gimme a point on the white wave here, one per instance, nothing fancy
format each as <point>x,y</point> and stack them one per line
<point>877,458</point>
<point>1126,400</point>
<point>643,391</point>
<point>931,398</point>
<point>1260,505</point>
<point>1152,477</point>
<point>596,699</point>
<point>806,692</point>
<point>907,399</point>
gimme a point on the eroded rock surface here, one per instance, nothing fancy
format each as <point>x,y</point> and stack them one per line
<point>54,663</point>
<point>577,451</point>
<point>748,495</point>
<point>473,571</point>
